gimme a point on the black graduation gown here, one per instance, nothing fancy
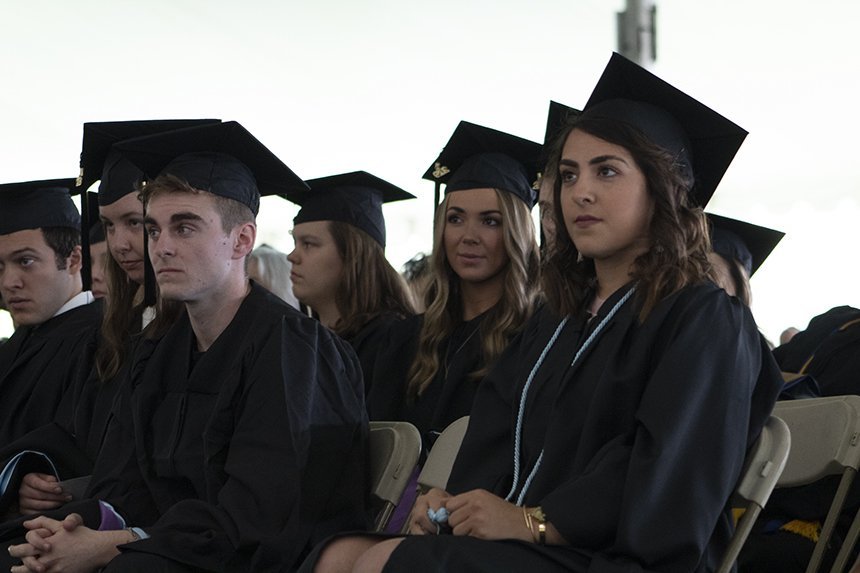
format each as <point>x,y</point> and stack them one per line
<point>42,367</point>
<point>448,397</point>
<point>246,455</point>
<point>643,439</point>
<point>369,342</point>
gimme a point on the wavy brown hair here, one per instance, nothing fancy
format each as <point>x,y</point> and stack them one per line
<point>680,241</point>
<point>444,305</point>
<point>368,284</point>
<point>123,317</point>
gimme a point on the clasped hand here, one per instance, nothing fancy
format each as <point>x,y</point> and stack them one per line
<point>477,513</point>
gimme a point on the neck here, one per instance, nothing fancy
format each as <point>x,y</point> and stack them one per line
<point>329,314</point>
<point>478,298</point>
<point>611,276</point>
<point>210,316</point>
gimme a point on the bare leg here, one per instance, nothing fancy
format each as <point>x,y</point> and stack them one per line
<point>375,558</point>
<point>340,555</point>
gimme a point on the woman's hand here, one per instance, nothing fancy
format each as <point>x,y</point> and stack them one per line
<point>481,514</point>
<point>419,523</point>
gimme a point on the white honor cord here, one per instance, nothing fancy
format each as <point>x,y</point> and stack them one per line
<point>524,396</point>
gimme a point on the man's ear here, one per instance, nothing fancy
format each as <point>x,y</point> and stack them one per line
<point>245,235</point>
<point>74,261</point>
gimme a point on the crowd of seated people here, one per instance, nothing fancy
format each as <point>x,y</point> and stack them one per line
<point>189,402</point>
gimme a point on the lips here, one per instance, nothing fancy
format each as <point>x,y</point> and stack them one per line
<point>469,258</point>
<point>16,302</point>
<point>586,221</point>
<point>130,264</point>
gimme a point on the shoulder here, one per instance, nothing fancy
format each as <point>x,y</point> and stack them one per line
<point>84,319</point>
<point>703,313</point>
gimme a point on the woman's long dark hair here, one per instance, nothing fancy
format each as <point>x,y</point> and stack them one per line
<point>678,253</point>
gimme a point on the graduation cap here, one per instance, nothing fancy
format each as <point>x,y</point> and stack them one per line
<point>744,242</point>
<point>99,161</point>
<point>223,158</point>
<point>477,157</point>
<point>355,198</point>
<point>703,141</point>
<point>37,204</point>
<point>557,117</point>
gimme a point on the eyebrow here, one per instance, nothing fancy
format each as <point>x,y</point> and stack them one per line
<point>488,212</point>
<point>176,218</point>
<point>595,160</point>
<point>122,217</point>
<point>24,251</point>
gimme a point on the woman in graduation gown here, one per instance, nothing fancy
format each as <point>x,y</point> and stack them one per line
<point>484,268</point>
<point>610,435</point>
<point>339,265</point>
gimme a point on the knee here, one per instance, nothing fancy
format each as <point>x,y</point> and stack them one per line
<point>374,559</point>
<point>341,554</point>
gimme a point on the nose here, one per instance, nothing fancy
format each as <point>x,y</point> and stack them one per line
<point>293,257</point>
<point>160,246</point>
<point>9,279</point>
<point>582,192</point>
<point>470,233</point>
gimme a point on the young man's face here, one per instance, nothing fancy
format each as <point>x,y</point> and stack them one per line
<point>191,254</point>
<point>32,286</point>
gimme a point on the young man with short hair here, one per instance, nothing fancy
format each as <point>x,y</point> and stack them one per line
<point>40,282</point>
<point>247,418</point>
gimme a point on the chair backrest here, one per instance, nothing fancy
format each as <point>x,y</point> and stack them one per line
<point>440,460</point>
<point>825,440</point>
<point>394,451</point>
<point>764,463</point>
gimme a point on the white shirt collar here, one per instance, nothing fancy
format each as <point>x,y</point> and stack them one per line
<point>80,299</point>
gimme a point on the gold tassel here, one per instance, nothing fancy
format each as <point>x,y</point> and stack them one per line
<point>808,529</point>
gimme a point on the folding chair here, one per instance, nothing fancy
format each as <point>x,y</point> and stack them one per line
<point>394,451</point>
<point>440,460</point>
<point>825,440</point>
<point>763,466</point>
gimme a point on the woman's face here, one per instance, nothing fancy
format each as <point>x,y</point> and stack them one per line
<point>317,266</point>
<point>604,197</point>
<point>98,260</point>
<point>123,222</point>
<point>474,235</point>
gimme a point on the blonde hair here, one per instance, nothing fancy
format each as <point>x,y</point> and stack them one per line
<point>444,306</point>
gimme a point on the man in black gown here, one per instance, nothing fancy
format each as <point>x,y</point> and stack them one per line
<point>40,280</point>
<point>242,440</point>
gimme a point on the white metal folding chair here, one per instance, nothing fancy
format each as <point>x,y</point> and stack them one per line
<point>394,451</point>
<point>763,466</point>
<point>825,440</point>
<point>440,460</point>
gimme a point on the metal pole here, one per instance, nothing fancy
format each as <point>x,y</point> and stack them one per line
<point>637,32</point>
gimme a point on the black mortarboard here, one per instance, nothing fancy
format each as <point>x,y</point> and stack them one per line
<point>37,204</point>
<point>701,139</point>
<point>224,159</point>
<point>744,242</point>
<point>355,198</point>
<point>558,116</point>
<point>99,161</point>
<point>478,156</point>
